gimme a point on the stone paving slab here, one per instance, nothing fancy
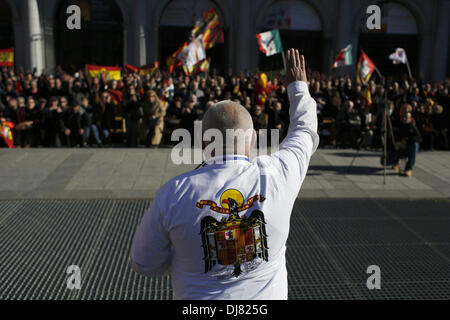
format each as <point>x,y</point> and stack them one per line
<point>139,173</point>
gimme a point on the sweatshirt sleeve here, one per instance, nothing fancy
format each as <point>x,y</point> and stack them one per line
<point>150,251</point>
<point>290,163</point>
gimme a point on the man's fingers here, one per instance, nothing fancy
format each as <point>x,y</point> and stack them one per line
<point>292,55</point>
<point>288,59</point>
<point>294,58</point>
<point>297,57</point>
<point>302,62</point>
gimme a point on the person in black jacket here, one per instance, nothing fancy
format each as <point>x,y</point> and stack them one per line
<point>102,119</point>
<point>76,121</point>
<point>133,115</point>
<point>407,138</point>
<point>52,123</point>
<point>348,123</point>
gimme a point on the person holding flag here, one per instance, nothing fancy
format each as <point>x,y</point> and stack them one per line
<point>149,69</point>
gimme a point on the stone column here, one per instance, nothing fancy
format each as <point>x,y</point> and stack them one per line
<point>33,38</point>
<point>243,36</point>
<point>344,36</point>
<point>138,35</point>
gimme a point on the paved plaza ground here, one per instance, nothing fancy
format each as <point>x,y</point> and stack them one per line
<point>139,173</point>
<point>81,207</point>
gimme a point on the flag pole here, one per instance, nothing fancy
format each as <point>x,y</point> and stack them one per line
<point>409,69</point>
<point>284,59</point>
<point>378,72</point>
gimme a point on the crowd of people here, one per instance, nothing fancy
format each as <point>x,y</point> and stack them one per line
<point>73,110</point>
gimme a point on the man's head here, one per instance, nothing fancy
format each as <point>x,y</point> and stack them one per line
<point>406,117</point>
<point>21,101</point>
<point>63,102</point>
<point>232,118</point>
<point>75,107</point>
<point>84,102</point>
<point>31,103</point>
<point>12,103</point>
<point>348,105</point>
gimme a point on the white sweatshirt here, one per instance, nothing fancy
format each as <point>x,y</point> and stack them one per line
<point>221,230</point>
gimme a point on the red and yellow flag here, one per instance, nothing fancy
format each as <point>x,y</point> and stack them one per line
<point>367,96</point>
<point>211,32</point>
<point>149,69</point>
<point>7,57</point>
<point>201,66</point>
<point>111,73</point>
<point>6,133</point>
<point>210,28</point>
<point>262,89</point>
<point>172,60</point>
<point>131,69</point>
<point>364,68</point>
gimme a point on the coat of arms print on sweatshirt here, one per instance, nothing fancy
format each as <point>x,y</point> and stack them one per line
<point>235,245</point>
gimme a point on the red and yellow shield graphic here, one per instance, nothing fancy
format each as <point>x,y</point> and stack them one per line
<point>235,240</point>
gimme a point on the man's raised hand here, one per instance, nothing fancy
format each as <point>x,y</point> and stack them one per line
<point>295,67</point>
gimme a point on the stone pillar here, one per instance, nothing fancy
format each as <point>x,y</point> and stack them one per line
<point>243,36</point>
<point>344,36</point>
<point>33,38</point>
<point>137,36</point>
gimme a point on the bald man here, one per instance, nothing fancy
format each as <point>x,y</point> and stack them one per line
<point>221,230</point>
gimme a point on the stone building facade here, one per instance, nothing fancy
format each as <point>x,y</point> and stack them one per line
<point>142,31</point>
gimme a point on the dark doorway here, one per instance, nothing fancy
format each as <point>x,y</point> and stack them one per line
<point>6,26</point>
<point>100,40</point>
<point>379,46</point>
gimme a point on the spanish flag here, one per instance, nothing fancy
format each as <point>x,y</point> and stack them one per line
<point>202,66</point>
<point>6,133</point>
<point>149,69</point>
<point>112,73</point>
<point>7,57</point>
<point>367,96</point>
<point>208,28</point>
<point>211,29</point>
<point>131,69</point>
<point>202,24</point>
<point>172,60</point>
